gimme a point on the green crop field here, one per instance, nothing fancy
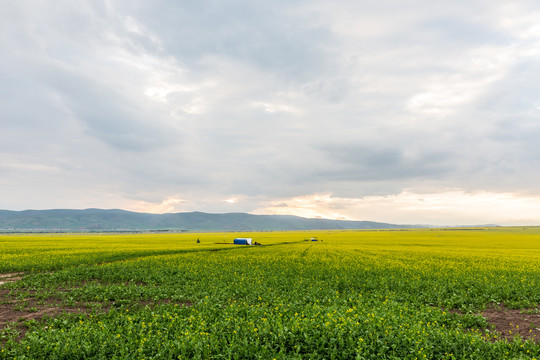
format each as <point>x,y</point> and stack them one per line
<point>413,294</point>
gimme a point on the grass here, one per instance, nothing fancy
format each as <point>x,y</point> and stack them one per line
<point>353,295</point>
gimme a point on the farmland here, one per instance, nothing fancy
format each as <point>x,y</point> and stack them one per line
<point>414,294</point>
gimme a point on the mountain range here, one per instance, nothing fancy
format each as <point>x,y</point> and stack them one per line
<point>121,220</point>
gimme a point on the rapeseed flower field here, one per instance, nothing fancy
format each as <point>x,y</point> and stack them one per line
<point>411,294</point>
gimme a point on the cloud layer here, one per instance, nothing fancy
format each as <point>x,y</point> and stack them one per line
<point>239,106</point>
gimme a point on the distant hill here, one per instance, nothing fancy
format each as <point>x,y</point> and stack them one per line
<point>118,220</point>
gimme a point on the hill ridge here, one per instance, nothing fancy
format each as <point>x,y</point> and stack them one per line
<point>93,219</point>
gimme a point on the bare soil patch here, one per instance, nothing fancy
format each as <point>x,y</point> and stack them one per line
<point>21,305</point>
<point>17,310</point>
<point>13,309</point>
<point>8,314</point>
<point>11,277</point>
<point>511,322</point>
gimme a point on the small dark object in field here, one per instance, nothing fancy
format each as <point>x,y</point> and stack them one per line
<point>257,243</point>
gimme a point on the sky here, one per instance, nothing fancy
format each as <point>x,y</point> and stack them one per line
<point>400,111</point>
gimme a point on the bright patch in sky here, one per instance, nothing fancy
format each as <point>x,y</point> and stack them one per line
<point>406,207</point>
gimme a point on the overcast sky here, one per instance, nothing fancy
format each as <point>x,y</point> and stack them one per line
<point>403,111</point>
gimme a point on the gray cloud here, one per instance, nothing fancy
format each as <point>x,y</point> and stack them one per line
<point>364,163</point>
<point>118,104</point>
<point>269,36</point>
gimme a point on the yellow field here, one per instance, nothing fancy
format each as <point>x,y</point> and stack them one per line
<point>352,294</point>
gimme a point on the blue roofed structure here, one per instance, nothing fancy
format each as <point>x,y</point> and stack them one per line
<point>242,241</point>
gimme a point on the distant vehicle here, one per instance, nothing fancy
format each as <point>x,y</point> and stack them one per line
<point>314,239</point>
